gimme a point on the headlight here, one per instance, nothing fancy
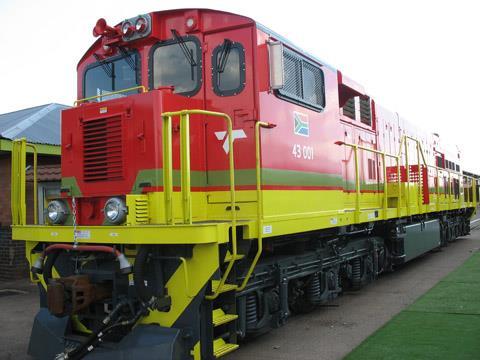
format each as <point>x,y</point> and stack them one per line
<point>141,24</point>
<point>127,29</point>
<point>115,210</point>
<point>57,212</point>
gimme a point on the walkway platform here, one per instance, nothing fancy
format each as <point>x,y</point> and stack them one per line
<point>444,323</point>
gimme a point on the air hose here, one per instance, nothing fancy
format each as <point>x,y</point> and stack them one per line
<point>94,339</point>
<point>79,351</point>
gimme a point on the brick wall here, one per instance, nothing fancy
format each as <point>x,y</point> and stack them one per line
<point>5,213</point>
<point>13,264</point>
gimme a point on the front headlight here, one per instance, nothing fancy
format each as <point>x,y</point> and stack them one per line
<point>57,212</point>
<point>115,210</point>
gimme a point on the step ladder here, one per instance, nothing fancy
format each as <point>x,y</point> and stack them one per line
<point>223,305</point>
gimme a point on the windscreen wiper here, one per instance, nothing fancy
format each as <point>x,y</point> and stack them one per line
<point>186,51</point>
<point>223,56</point>
<point>128,58</point>
<point>108,69</point>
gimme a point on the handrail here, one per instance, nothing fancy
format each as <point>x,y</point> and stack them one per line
<point>258,172</point>
<point>420,156</point>
<point>17,195</point>
<point>18,182</point>
<point>185,176</point>
<point>35,184</point>
<point>384,155</point>
<point>143,88</point>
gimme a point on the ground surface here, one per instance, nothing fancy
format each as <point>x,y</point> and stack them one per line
<point>330,332</point>
<point>443,324</point>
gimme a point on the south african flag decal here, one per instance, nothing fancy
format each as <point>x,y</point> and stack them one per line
<point>301,124</point>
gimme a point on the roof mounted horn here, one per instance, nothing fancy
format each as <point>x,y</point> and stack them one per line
<point>102,29</point>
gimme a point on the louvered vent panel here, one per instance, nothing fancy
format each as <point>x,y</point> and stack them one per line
<point>293,75</point>
<point>141,210</point>
<point>102,149</point>
<point>349,108</point>
<point>365,112</point>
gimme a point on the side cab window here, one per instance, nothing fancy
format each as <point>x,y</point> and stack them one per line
<point>304,81</point>
<point>228,73</point>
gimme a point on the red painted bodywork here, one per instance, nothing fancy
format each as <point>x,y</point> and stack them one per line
<point>141,121</point>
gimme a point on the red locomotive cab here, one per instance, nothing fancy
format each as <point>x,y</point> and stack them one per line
<point>112,139</point>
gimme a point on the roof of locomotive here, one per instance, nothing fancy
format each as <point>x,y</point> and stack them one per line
<point>291,45</point>
<point>259,26</point>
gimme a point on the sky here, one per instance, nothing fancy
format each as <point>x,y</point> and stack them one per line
<point>418,58</point>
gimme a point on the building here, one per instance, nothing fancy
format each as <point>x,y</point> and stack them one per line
<point>40,125</point>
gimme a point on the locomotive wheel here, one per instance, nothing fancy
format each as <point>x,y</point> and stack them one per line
<point>297,297</point>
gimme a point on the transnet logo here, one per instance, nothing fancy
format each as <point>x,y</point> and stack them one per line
<point>301,126</point>
<point>236,134</point>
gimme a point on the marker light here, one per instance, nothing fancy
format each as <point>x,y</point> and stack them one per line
<point>190,22</point>
<point>127,29</point>
<point>141,24</point>
<point>115,210</point>
<point>57,212</point>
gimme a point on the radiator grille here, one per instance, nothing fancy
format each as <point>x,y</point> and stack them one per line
<point>102,149</point>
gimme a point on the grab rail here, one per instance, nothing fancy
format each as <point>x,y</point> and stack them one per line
<point>258,172</point>
<point>18,182</point>
<point>185,176</point>
<point>384,155</point>
<point>420,156</point>
<point>79,101</point>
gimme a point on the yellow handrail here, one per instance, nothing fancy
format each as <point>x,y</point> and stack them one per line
<point>384,155</point>
<point>18,181</point>
<point>420,156</point>
<point>35,190</point>
<point>258,172</point>
<point>185,176</point>
<point>140,87</point>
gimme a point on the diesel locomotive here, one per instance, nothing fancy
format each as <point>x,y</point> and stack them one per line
<point>216,180</point>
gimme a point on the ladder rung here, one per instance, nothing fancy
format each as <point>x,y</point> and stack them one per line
<point>225,288</point>
<point>220,318</point>
<point>221,348</point>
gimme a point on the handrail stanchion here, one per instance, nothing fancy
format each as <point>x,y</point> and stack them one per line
<point>407,169</point>
<point>18,198</point>
<point>185,167</point>
<point>438,190</point>
<point>184,114</point>
<point>167,169</point>
<point>449,190</point>
<point>399,184</point>
<point>35,190</point>
<point>357,185</point>
<point>258,173</point>
<point>385,188</point>
<point>420,185</point>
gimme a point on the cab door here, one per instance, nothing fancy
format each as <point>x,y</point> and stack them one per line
<point>229,88</point>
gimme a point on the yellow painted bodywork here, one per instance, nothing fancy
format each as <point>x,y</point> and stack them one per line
<point>205,219</point>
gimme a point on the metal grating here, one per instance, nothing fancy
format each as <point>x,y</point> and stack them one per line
<point>365,112</point>
<point>349,108</point>
<point>312,84</point>
<point>293,75</point>
<point>141,210</point>
<point>102,149</point>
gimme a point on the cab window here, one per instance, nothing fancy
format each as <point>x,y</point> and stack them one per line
<point>177,63</point>
<point>106,76</point>
<point>228,73</point>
